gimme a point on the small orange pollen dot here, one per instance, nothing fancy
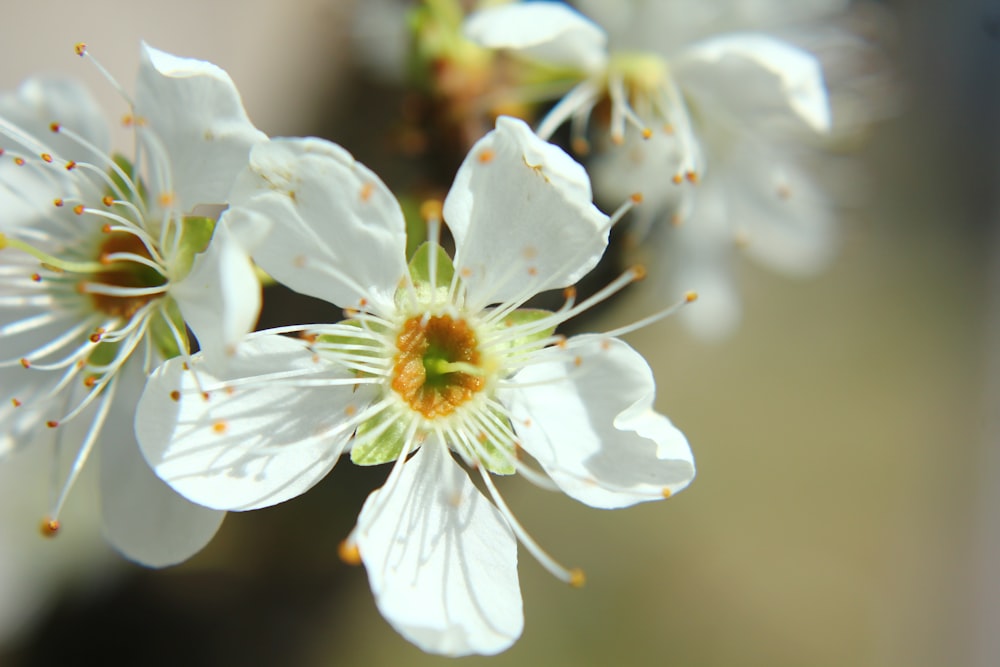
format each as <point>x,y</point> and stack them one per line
<point>692,177</point>
<point>71,165</point>
<point>57,202</point>
<point>47,157</point>
<point>52,423</point>
<point>617,139</point>
<point>532,271</point>
<point>167,199</point>
<point>366,191</point>
<point>667,492</point>
<point>78,209</point>
<point>638,272</point>
<point>175,395</point>
<point>90,381</point>
<point>636,197</point>
<point>690,296</point>
<point>127,120</point>
<point>25,363</point>
<point>580,146</point>
<point>80,48</point>
<point>349,552</point>
<point>108,200</point>
<point>677,179</point>
<point>647,133</point>
<point>49,527</point>
<point>605,345</point>
<point>578,361</point>
<point>219,427</point>
<point>466,272</point>
<point>569,293</point>
<point>431,209</point>
<point>577,578</point>
<point>351,410</point>
<point>527,423</point>
<point>19,161</point>
<point>95,337</point>
<point>486,155</point>
<point>54,127</point>
<point>36,277</point>
<point>204,396</point>
<point>106,228</point>
<point>16,402</point>
<point>309,337</point>
<point>363,302</point>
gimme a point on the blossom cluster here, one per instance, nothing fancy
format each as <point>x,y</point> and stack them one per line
<point>127,309</point>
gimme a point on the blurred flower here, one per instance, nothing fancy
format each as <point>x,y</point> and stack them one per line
<point>711,123</point>
<point>424,371</point>
<point>104,267</point>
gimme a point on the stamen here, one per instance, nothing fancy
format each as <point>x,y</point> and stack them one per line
<point>689,297</point>
<point>47,259</point>
<point>574,577</point>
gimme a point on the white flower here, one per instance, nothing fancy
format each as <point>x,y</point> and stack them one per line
<point>102,267</point>
<point>717,126</point>
<point>436,363</point>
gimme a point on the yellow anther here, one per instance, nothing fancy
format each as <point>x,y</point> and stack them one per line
<point>577,578</point>
<point>690,296</point>
<point>431,209</point>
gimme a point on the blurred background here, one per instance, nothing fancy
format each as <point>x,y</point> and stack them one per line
<point>847,436</point>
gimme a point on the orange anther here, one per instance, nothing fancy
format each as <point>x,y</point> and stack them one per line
<point>71,165</point>
<point>80,48</point>
<point>78,209</point>
<point>108,200</point>
<point>175,395</point>
<point>55,127</point>
<point>349,552</point>
<point>49,527</point>
<point>52,423</point>
<point>486,155</point>
<point>47,157</point>
<point>57,202</point>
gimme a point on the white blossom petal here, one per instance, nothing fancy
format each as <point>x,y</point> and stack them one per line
<point>782,218</point>
<point>256,443</point>
<point>584,412</point>
<point>196,112</point>
<point>549,32</point>
<point>748,75</point>
<point>441,560</point>
<point>522,215</point>
<point>142,517</point>
<point>341,235</point>
<point>38,102</point>
<point>220,298</point>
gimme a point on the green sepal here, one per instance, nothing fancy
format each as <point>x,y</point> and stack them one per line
<point>420,273</point>
<point>490,452</point>
<point>160,332</point>
<point>196,233</point>
<point>384,448</point>
<point>128,191</point>
<point>103,354</point>
<point>523,317</point>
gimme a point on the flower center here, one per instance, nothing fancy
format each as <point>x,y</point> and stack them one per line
<point>437,368</point>
<point>124,280</point>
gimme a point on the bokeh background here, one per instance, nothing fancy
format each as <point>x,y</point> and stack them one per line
<point>847,437</point>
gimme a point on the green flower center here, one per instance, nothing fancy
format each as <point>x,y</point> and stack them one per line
<point>437,368</point>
